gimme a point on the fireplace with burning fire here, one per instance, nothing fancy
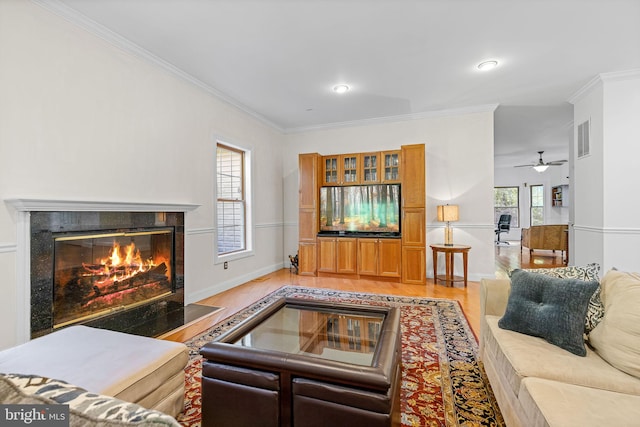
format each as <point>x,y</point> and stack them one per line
<point>97,274</point>
<point>114,270</point>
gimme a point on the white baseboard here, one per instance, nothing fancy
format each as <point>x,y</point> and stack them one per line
<point>217,288</point>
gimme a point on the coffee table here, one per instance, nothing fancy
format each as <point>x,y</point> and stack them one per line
<point>304,363</point>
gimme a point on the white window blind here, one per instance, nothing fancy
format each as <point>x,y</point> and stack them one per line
<point>231,203</point>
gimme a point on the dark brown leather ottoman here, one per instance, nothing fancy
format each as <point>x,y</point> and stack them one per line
<point>305,363</point>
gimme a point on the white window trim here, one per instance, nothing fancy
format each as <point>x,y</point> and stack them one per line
<point>249,186</point>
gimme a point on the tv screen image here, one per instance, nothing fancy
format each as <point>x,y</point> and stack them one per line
<point>360,209</point>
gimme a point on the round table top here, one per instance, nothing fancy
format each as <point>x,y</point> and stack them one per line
<point>450,247</point>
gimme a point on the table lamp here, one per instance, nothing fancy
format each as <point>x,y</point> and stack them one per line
<point>448,213</point>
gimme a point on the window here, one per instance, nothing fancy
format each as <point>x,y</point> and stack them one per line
<point>506,201</point>
<point>537,204</point>
<point>232,200</point>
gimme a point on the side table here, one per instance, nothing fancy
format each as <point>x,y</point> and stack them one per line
<point>449,251</point>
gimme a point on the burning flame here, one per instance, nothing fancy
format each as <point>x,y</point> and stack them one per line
<point>124,262</point>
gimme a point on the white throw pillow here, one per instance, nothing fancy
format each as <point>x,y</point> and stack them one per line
<point>617,337</point>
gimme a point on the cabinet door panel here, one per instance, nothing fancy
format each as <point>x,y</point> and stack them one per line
<point>350,169</point>
<point>389,254</point>
<point>331,170</point>
<point>391,166</point>
<point>370,168</point>
<point>413,227</point>
<point>307,259</point>
<point>347,255</point>
<point>414,265</point>
<point>308,181</point>
<point>368,257</point>
<point>307,225</point>
<point>413,176</point>
<point>327,255</point>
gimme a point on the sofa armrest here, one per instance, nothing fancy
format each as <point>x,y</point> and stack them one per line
<point>494,294</point>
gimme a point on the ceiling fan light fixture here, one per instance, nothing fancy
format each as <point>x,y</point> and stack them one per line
<point>540,168</point>
<point>341,88</point>
<point>487,65</point>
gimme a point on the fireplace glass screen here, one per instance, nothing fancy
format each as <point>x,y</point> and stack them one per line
<point>98,274</point>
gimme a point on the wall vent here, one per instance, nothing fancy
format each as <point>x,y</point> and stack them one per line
<point>583,139</point>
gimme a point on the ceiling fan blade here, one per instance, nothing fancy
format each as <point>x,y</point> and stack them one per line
<point>542,162</point>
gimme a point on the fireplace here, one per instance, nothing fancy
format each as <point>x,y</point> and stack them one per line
<point>97,274</point>
<point>115,270</point>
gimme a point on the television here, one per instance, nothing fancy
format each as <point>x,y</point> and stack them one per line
<point>360,209</point>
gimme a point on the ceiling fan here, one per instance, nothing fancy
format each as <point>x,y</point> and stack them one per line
<point>542,166</point>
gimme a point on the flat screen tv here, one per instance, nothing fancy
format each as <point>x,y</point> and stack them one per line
<point>370,209</point>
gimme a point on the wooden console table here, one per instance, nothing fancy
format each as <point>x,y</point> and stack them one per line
<point>449,251</point>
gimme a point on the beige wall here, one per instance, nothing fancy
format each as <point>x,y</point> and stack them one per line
<point>607,211</point>
<point>459,170</point>
<point>81,119</point>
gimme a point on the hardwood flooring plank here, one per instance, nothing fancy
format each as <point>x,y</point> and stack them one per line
<point>233,300</point>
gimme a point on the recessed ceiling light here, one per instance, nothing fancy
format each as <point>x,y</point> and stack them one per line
<point>341,88</point>
<point>487,65</point>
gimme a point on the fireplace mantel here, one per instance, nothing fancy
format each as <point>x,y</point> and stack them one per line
<point>44,205</point>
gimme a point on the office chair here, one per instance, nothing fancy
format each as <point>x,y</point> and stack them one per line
<point>503,226</point>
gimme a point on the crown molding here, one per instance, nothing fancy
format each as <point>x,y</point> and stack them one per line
<point>82,21</point>
<point>403,117</point>
<point>603,78</point>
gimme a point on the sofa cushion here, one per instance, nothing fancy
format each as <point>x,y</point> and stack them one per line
<point>85,408</point>
<point>517,356</point>
<point>617,337</point>
<point>550,308</point>
<point>557,404</point>
<point>589,272</point>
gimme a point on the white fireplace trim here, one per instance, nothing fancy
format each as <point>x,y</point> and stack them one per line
<point>24,207</point>
<point>40,205</point>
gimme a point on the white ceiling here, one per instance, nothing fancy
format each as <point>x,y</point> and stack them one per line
<point>279,59</point>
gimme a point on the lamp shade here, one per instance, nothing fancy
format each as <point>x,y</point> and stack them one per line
<point>447,213</point>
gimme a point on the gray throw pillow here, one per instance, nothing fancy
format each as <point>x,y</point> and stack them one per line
<point>588,272</point>
<point>550,308</point>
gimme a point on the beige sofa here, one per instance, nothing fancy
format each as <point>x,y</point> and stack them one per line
<point>539,384</point>
<point>545,237</point>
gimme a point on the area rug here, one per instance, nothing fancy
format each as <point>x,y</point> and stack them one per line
<point>443,382</point>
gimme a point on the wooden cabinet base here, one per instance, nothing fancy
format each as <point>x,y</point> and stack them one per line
<point>360,276</point>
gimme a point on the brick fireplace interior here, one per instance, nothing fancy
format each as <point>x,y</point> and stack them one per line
<point>122,271</point>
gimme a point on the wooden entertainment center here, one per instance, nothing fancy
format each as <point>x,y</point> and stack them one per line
<point>397,258</point>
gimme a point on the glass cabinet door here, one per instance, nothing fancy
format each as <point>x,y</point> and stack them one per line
<point>391,167</point>
<point>330,175</point>
<point>369,168</point>
<point>350,169</point>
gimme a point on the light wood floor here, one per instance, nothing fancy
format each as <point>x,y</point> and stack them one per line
<point>233,300</point>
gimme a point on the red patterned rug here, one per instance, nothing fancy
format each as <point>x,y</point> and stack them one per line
<point>443,383</point>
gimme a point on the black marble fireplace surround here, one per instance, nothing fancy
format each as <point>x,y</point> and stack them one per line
<point>159,315</point>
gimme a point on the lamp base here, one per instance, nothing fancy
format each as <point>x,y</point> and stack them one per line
<point>448,235</point>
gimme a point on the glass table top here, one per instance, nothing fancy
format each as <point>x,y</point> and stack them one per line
<point>341,335</point>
